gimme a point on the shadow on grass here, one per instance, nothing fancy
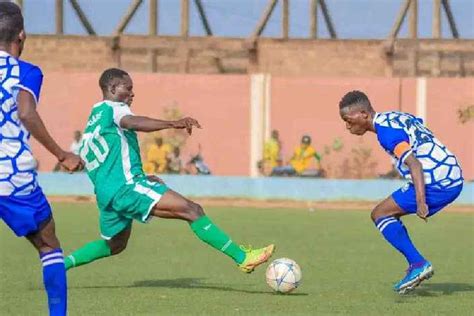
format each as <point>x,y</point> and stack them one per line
<point>440,289</point>
<point>183,283</point>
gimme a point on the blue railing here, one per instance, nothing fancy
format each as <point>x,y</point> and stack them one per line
<point>302,189</point>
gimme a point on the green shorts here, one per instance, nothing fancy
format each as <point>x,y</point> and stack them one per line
<point>132,201</point>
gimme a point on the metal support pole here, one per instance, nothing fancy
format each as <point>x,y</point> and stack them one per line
<point>153,18</point>
<point>413,19</point>
<point>400,18</point>
<point>452,23</point>
<point>264,19</point>
<point>285,19</point>
<point>436,26</point>
<point>202,14</point>
<point>82,17</point>
<point>132,9</point>
<point>313,15</point>
<point>327,18</point>
<point>59,11</point>
<point>184,18</point>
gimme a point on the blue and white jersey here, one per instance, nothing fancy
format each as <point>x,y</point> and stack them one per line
<point>17,165</point>
<point>402,134</point>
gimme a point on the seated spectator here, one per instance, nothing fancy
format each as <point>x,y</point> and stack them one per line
<point>174,161</point>
<point>156,157</point>
<point>76,142</point>
<point>74,148</point>
<point>393,173</point>
<point>196,165</point>
<point>300,161</point>
<point>271,154</point>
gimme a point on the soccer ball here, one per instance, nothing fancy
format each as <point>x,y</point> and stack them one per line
<point>283,275</point>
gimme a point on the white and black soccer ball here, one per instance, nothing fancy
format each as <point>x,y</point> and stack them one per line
<point>283,275</point>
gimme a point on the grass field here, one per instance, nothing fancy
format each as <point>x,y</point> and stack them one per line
<point>347,267</point>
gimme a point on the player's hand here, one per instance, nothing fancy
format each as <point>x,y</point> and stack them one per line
<point>71,162</point>
<point>154,178</point>
<point>188,123</point>
<point>422,211</point>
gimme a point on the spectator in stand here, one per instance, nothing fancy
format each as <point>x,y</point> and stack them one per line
<point>76,142</point>
<point>271,154</point>
<point>74,148</point>
<point>196,164</point>
<point>174,161</point>
<point>156,157</point>
<point>301,160</point>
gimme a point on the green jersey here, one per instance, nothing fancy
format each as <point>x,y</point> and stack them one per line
<point>111,153</point>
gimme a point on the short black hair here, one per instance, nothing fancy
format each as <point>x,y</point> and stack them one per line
<point>306,139</point>
<point>109,75</point>
<point>11,21</point>
<point>355,97</point>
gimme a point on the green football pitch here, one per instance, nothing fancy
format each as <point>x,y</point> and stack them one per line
<point>347,267</point>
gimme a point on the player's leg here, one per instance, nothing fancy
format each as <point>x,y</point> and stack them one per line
<point>173,205</point>
<point>283,171</point>
<point>98,249</point>
<point>108,246</point>
<point>386,217</point>
<point>30,216</point>
<point>119,242</point>
<point>54,273</point>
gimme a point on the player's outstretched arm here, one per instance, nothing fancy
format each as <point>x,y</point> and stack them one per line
<point>34,124</point>
<point>146,124</point>
<point>416,171</point>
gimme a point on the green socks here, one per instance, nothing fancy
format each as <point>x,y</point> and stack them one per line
<point>90,252</point>
<point>208,232</point>
<point>203,227</point>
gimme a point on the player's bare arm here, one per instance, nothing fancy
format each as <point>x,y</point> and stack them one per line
<point>154,178</point>
<point>146,124</point>
<point>33,122</point>
<point>416,171</point>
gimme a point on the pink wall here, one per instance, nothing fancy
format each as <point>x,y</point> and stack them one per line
<point>310,106</point>
<point>445,97</point>
<point>299,105</point>
<point>220,103</point>
<point>314,110</point>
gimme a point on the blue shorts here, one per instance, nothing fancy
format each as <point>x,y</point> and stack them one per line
<point>436,199</point>
<point>24,214</point>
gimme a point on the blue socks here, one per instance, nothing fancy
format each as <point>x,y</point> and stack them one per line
<point>397,235</point>
<point>55,283</point>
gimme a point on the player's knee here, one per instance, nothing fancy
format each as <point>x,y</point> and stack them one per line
<point>45,248</point>
<point>45,244</point>
<point>193,211</point>
<point>117,246</point>
<point>379,211</point>
<point>375,214</point>
<point>198,210</point>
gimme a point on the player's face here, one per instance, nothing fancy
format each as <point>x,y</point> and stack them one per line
<point>356,120</point>
<point>123,90</point>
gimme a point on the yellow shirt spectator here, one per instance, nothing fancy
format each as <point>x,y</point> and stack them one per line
<point>271,152</point>
<point>302,157</point>
<point>156,157</point>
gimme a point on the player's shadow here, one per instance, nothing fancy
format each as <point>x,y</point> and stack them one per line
<point>196,283</point>
<point>440,289</point>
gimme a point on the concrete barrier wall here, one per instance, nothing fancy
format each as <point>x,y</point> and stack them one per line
<point>302,57</point>
<point>297,105</point>
<point>253,188</point>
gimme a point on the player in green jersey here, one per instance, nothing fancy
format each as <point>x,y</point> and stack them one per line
<point>124,193</point>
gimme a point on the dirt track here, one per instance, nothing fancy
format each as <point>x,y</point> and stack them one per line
<point>341,205</point>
